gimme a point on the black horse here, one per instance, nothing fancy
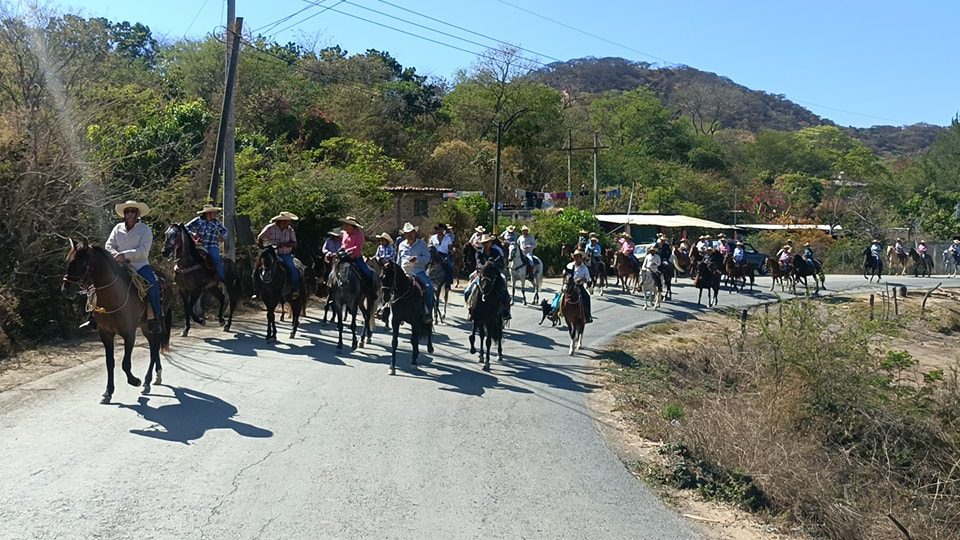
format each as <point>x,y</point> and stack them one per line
<point>194,274</point>
<point>486,314</point>
<point>405,298</point>
<point>802,269</point>
<point>438,273</point>
<point>872,265</point>
<point>667,272</point>
<point>274,286</point>
<point>707,277</point>
<point>922,265</point>
<point>349,296</point>
<point>469,256</point>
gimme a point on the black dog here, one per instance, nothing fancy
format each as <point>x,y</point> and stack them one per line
<point>547,309</point>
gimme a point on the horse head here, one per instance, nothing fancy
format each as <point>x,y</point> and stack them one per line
<point>172,241</point>
<point>78,267</point>
<point>269,260</point>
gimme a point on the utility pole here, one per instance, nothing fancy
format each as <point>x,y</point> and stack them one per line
<point>229,141</point>
<point>569,159</point>
<point>496,182</point>
<point>222,129</point>
<point>596,158</point>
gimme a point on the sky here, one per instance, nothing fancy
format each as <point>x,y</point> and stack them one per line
<point>856,62</point>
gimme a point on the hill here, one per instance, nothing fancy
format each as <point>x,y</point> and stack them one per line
<point>715,102</point>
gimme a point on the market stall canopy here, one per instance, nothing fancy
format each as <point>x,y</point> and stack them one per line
<point>786,227</point>
<point>661,220</point>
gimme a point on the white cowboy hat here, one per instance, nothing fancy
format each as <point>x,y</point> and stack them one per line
<point>385,236</point>
<point>408,228</point>
<point>594,235</point>
<point>335,232</point>
<point>625,235</point>
<point>486,238</point>
<point>651,249</point>
<point>284,216</point>
<point>142,208</point>
<point>480,229</point>
<point>208,208</point>
<point>875,241</point>
<point>350,220</point>
<point>524,228</point>
<point>578,252</point>
<point>583,231</point>
<point>511,228</point>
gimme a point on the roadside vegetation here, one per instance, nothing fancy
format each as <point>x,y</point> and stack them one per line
<point>818,416</point>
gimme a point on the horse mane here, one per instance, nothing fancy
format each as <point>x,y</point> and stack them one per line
<point>112,264</point>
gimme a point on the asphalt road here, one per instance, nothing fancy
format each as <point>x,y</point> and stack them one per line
<point>293,440</point>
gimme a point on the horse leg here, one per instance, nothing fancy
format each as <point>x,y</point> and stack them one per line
<point>295,315</point>
<point>429,331</point>
<point>415,343</point>
<point>338,314</point>
<point>107,340</point>
<point>573,335</point>
<point>473,334</point>
<point>489,340</point>
<point>125,365</point>
<point>393,344</point>
<point>188,301</point>
<point>153,342</point>
<point>271,321</point>
<point>353,328</point>
<point>221,300</point>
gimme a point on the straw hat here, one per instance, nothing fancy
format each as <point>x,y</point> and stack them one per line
<point>594,235</point>
<point>335,232</point>
<point>721,235</point>
<point>875,241</point>
<point>385,236</point>
<point>806,244</point>
<point>409,228</point>
<point>511,228</point>
<point>583,231</point>
<point>899,240</point>
<point>208,208</point>
<point>142,208</point>
<point>480,229</point>
<point>486,238</point>
<point>524,229</point>
<point>923,242</point>
<point>284,216</point>
<point>739,243</point>
<point>350,220</point>
<point>578,252</point>
<point>651,249</point>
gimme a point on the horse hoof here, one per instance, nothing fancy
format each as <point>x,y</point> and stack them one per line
<point>221,321</point>
<point>146,389</point>
<point>414,363</point>
<point>105,399</point>
<point>486,367</point>
<point>473,350</point>
<point>183,333</point>
<point>393,371</point>
<point>133,381</point>
<point>430,349</point>
<point>157,380</point>
<point>339,346</point>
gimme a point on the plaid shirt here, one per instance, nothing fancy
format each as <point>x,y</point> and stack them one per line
<point>210,232</point>
<point>271,235</point>
<point>386,252</point>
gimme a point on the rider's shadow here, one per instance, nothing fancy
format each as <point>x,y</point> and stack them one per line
<point>194,415</point>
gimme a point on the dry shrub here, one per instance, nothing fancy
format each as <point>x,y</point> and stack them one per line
<point>813,426</point>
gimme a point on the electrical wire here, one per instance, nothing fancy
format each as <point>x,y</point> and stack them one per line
<point>286,18</point>
<point>199,11</point>
<point>305,19</point>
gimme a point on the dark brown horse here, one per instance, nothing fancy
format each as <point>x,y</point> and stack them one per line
<point>573,312</point>
<point>487,314</point>
<point>737,275</point>
<point>193,275</point>
<point>118,309</point>
<point>705,278</point>
<point>273,287</point>
<point>777,273</point>
<point>405,298</point>
<point>627,272</point>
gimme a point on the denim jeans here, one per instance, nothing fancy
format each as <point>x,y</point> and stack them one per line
<point>292,270</point>
<point>153,293</point>
<point>214,252</point>
<point>427,288</point>
<point>361,266</point>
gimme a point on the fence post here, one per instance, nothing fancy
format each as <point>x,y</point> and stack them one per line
<point>896,305</point>
<point>871,306</point>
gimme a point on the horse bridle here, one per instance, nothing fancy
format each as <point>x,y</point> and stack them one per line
<point>84,283</point>
<point>388,291</point>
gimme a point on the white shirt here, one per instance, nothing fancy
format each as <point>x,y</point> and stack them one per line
<point>134,244</point>
<point>581,274</point>
<point>475,240</point>
<point>651,262</point>
<point>527,243</point>
<point>443,246</point>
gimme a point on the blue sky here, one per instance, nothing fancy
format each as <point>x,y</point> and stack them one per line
<point>856,62</point>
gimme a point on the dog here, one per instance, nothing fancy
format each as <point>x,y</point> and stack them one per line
<point>547,309</point>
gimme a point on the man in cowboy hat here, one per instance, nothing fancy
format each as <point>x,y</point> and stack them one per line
<point>581,275</point>
<point>701,244</point>
<point>493,253</point>
<point>584,237</point>
<point>739,254</point>
<point>808,256</point>
<point>876,250</point>
<point>526,243</point>
<point>351,243</point>
<point>279,233</point>
<point>129,243</point>
<point>786,258</point>
<point>663,248</point>
<point>332,244</point>
<point>209,232</point>
<point>478,233</point>
<point>714,259</point>
<point>955,250</point>
<point>594,251</point>
<point>509,235</point>
<point>651,263</point>
<point>627,247</point>
<point>442,241</point>
<point>722,246</point>
<point>413,256</point>
<point>385,251</point>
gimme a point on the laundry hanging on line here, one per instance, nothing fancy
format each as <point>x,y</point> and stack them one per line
<point>460,194</point>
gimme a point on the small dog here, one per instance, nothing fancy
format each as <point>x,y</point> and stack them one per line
<point>547,309</point>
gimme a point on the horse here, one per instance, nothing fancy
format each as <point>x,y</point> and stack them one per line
<point>571,306</point>
<point>681,260</point>
<point>922,265</point>
<point>468,263</point>
<point>348,297</point>
<point>193,276</point>
<point>518,272</point>
<point>598,274</point>
<point>666,275</point>
<point>737,273</point>
<point>627,272</point>
<point>895,259</point>
<point>485,314</point>
<point>873,265</point>
<point>777,273</point>
<point>705,278</point>
<point>802,268</point>
<point>405,298</point>
<point>273,286</point>
<point>949,263</point>
<point>437,272</point>
<point>118,309</point>
<point>321,273</point>
<point>652,296</point>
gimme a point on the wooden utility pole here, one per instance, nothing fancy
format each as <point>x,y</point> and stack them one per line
<point>229,141</point>
<point>222,129</point>
<point>569,159</point>
<point>596,158</point>
<point>496,181</point>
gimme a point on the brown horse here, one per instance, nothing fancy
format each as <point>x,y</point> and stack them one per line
<point>705,278</point>
<point>681,261</point>
<point>737,274</point>
<point>627,272</point>
<point>573,313</point>
<point>777,273</point>
<point>118,309</point>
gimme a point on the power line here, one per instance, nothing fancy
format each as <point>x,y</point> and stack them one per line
<point>199,11</point>
<point>305,19</point>
<point>584,32</point>
<point>479,34</point>
<point>851,112</point>
<point>284,19</point>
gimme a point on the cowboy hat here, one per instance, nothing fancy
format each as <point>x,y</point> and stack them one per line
<point>578,252</point>
<point>524,228</point>
<point>651,249</point>
<point>706,237</point>
<point>142,208</point>
<point>899,239</point>
<point>385,236</point>
<point>284,216</point>
<point>594,235</point>
<point>208,208</point>
<point>511,228</point>
<point>486,238</point>
<point>624,235</point>
<point>806,244</point>
<point>721,235</point>
<point>923,242</point>
<point>956,241</point>
<point>739,243</point>
<point>480,229</point>
<point>334,232</point>
<point>875,241</point>
<point>350,220</point>
<point>409,228</point>
<point>583,231</point>
<point>709,248</point>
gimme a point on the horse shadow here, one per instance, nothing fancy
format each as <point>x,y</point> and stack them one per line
<point>534,372</point>
<point>191,418</point>
<point>471,382</point>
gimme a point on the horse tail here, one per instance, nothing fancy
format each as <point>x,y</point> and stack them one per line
<point>167,328</point>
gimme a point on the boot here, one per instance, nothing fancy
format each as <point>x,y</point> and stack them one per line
<point>90,323</point>
<point>155,326</point>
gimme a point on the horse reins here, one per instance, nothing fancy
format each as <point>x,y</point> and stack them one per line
<point>90,295</point>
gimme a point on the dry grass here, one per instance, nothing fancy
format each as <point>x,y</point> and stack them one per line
<point>820,420</point>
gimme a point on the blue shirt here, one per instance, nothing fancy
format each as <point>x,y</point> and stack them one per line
<point>385,252</point>
<point>210,232</point>
<point>407,251</point>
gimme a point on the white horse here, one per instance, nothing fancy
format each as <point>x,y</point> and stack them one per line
<point>651,295</point>
<point>949,264</point>
<point>518,272</point>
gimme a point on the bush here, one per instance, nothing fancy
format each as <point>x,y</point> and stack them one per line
<point>554,229</point>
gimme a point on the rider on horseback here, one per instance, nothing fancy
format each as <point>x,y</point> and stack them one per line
<point>808,256</point>
<point>626,248</point>
<point>900,250</point>
<point>786,258</point>
<point>129,243</point>
<point>509,235</point>
<point>385,251</point>
<point>714,259</point>
<point>739,255</point>
<point>351,246</point>
<point>581,276</point>
<point>722,246</point>
<point>922,248</point>
<point>474,240</point>
<point>876,250</point>
<point>332,244</point>
<point>651,263</point>
<point>955,251</point>
<point>526,243</point>
<point>594,250</point>
<point>584,237</point>
<point>442,241</point>
<point>208,232</point>
<point>663,248</point>
<point>494,254</point>
<point>413,256</point>
<point>279,233</point>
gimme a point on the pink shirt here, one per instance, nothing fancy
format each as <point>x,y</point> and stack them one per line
<point>626,246</point>
<point>352,243</point>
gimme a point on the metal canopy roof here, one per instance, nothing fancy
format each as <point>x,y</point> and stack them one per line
<point>660,220</point>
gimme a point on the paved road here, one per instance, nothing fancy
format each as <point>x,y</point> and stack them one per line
<point>246,440</point>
